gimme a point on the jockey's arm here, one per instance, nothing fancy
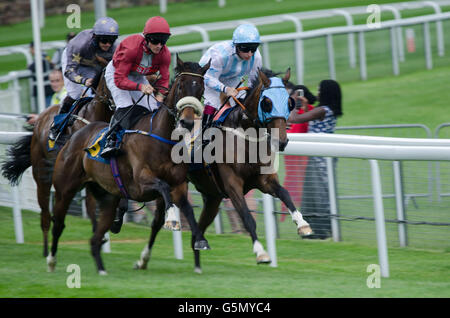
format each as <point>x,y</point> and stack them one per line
<point>214,72</point>
<point>123,65</point>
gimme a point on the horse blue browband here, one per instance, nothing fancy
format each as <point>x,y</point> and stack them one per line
<point>277,93</point>
<point>150,134</point>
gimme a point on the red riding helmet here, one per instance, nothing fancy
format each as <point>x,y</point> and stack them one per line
<point>156,25</point>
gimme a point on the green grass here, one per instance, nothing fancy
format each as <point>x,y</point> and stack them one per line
<point>305,269</point>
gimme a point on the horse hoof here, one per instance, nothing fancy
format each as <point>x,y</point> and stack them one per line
<point>51,264</point>
<point>102,273</point>
<point>139,265</point>
<point>305,230</point>
<point>263,259</point>
<point>115,228</point>
<point>201,245</point>
<point>172,225</point>
<point>198,270</point>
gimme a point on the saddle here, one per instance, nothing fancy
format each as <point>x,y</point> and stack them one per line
<point>61,121</point>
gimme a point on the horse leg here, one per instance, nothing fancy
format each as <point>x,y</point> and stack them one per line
<point>108,205</point>
<point>150,183</point>
<point>91,208</point>
<point>118,221</point>
<point>43,194</point>
<point>209,212</point>
<point>270,185</point>
<point>179,196</point>
<point>42,177</point>
<point>157,224</point>
<point>63,199</point>
<point>234,189</point>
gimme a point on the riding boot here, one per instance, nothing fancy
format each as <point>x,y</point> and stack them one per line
<point>207,119</point>
<point>111,149</point>
<point>65,107</point>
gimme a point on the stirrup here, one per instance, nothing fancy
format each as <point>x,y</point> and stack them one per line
<point>52,133</point>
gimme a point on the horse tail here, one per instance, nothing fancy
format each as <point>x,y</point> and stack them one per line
<point>18,159</point>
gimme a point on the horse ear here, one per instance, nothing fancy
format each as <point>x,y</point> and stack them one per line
<point>287,76</point>
<point>180,63</point>
<point>206,67</point>
<point>265,81</point>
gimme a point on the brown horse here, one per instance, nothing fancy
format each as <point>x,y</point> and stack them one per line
<point>234,179</point>
<point>33,151</point>
<point>146,169</point>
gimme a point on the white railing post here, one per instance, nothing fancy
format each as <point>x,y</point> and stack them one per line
<point>394,51</point>
<point>335,228</point>
<point>350,38</point>
<point>17,215</point>
<point>362,56</point>
<point>298,49</point>
<point>106,247</point>
<point>439,29</point>
<point>379,218</point>
<point>269,222</point>
<point>177,238</point>
<point>330,51</point>
<point>218,223</point>
<point>427,44</point>
<point>398,30</point>
<point>399,201</point>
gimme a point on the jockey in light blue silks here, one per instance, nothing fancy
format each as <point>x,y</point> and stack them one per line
<point>230,61</point>
<point>84,59</point>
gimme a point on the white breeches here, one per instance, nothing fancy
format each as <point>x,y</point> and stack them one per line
<point>125,98</point>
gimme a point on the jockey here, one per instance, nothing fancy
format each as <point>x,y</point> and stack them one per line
<point>136,57</point>
<point>230,61</point>
<point>84,59</point>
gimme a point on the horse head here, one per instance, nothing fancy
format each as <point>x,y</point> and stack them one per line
<point>189,82</point>
<point>102,107</point>
<point>267,105</point>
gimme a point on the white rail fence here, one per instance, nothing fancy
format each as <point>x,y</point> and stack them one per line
<point>370,148</point>
<point>395,26</point>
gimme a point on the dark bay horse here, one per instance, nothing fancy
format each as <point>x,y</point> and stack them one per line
<point>234,179</point>
<point>33,151</point>
<point>146,169</point>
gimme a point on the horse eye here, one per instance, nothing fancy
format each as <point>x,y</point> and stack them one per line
<point>266,105</point>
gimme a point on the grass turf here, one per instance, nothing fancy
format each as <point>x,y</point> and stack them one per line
<point>305,269</point>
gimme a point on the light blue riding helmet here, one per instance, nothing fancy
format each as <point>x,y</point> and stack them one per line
<point>106,26</point>
<point>246,33</point>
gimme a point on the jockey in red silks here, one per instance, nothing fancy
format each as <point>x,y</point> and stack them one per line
<point>84,59</point>
<point>136,57</point>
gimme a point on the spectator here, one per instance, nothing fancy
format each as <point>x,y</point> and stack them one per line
<point>57,56</point>
<point>295,165</point>
<point>315,201</point>
<point>46,67</point>
<point>57,84</point>
<point>59,93</point>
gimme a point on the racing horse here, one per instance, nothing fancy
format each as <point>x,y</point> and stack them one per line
<point>265,106</point>
<point>145,168</point>
<point>36,151</point>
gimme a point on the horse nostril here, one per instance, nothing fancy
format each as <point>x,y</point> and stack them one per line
<point>187,123</point>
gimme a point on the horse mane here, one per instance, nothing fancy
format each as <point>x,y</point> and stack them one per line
<point>255,82</point>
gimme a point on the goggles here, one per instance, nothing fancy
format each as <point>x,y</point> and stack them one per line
<point>247,47</point>
<point>106,39</point>
<point>156,39</point>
